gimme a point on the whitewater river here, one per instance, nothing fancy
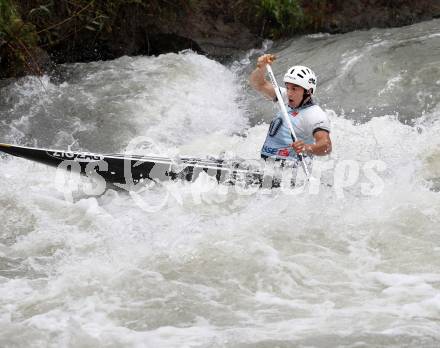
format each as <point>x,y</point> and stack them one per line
<point>351,263</point>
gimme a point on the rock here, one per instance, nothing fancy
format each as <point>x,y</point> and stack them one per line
<point>141,33</point>
<point>221,29</point>
<point>16,62</point>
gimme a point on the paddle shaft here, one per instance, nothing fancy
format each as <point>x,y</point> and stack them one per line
<point>284,113</point>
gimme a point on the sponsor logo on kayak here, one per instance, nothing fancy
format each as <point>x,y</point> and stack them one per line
<point>79,157</point>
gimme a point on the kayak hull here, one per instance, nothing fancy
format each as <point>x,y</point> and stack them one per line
<point>132,169</point>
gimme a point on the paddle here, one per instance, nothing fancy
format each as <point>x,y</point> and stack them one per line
<point>285,115</point>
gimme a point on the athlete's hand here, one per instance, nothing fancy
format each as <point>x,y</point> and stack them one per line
<point>299,146</point>
<point>265,59</point>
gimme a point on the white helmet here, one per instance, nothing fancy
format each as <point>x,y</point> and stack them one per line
<point>301,76</point>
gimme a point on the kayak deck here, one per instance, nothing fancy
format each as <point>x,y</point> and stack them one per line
<point>132,169</point>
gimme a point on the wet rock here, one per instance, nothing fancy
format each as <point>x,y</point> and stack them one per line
<point>15,62</point>
<point>221,29</point>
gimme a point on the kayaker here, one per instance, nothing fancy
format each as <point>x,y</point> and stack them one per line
<point>310,122</point>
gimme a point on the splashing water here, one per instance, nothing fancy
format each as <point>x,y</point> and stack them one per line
<point>339,266</point>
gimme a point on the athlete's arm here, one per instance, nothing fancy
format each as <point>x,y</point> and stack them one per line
<point>321,147</point>
<point>257,78</point>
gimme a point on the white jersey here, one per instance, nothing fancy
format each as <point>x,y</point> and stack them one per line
<point>305,120</point>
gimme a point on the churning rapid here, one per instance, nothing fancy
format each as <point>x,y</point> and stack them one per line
<point>354,262</point>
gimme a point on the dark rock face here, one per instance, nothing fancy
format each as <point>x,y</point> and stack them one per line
<point>195,28</point>
<point>223,28</point>
<point>34,61</point>
<point>139,32</point>
<point>217,32</point>
<point>220,28</point>
<point>135,30</point>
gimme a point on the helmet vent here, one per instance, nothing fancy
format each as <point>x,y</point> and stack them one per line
<point>291,71</point>
<point>303,72</point>
<point>300,75</point>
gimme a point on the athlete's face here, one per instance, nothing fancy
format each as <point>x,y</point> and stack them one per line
<point>295,94</point>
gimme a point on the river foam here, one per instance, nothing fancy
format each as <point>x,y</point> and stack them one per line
<point>341,264</point>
